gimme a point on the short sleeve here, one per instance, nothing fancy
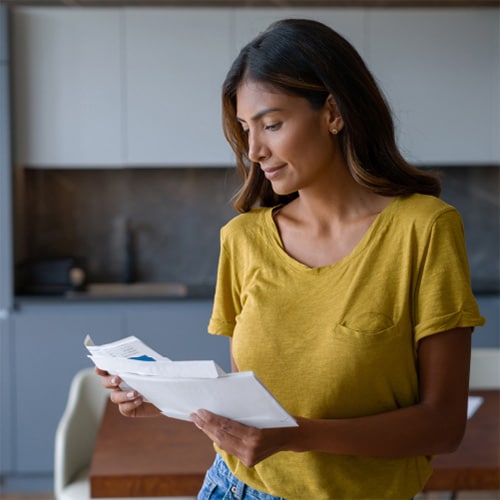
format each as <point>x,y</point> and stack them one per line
<point>226,305</point>
<point>443,297</point>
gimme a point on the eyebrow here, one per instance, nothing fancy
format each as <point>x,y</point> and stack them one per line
<point>260,114</point>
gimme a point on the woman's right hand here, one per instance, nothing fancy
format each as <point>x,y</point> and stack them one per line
<point>130,402</point>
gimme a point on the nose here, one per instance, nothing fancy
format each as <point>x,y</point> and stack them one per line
<point>257,150</point>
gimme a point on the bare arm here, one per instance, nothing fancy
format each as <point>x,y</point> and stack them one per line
<point>434,425</point>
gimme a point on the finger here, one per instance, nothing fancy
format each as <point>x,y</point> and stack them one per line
<point>120,397</point>
<point>111,382</point>
<point>237,439</point>
<point>225,432</point>
<point>209,420</point>
<point>143,410</point>
<point>129,402</point>
<point>204,420</point>
<point>131,408</point>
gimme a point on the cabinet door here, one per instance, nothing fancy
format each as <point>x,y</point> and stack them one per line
<point>67,87</point>
<point>488,336</point>
<point>178,330</point>
<point>48,351</point>
<point>248,23</point>
<point>6,421</point>
<point>6,233</point>
<point>176,61</point>
<point>440,71</point>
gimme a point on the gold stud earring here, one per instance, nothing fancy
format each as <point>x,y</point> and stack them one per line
<point>334,131</point>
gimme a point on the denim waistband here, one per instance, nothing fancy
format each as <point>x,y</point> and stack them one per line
<point>239,490</point>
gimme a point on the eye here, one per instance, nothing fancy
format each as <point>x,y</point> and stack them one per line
<point>273,127</point>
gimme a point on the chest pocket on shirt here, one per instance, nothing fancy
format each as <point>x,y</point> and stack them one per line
<point>367,328</point>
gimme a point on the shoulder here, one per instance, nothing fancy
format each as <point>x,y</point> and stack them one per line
<point>423,210</point>
<point>247,223</point>
<point>423,220</point>
<point>247,236</point>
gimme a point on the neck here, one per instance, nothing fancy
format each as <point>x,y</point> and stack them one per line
<point>341,199</point>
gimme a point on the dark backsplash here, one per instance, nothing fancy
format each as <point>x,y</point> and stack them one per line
<point>475,192</point>
<point>175,216</point>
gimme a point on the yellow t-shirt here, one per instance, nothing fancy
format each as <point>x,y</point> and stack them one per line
<point>340,341</point>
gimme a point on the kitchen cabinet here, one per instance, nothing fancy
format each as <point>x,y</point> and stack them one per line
<point>175,63</point>
<point>6,231</point>
<point>120,87</point>
<point>488,336</point>
<point>67,69</point>
<point>6,259</point>
<point>47,351</point>
<point>140,87</point>
<point>440,70</point>
<point>6,421</point>
<point>350,22</point>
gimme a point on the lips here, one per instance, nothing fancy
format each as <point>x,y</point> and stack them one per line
<point>271,172</point>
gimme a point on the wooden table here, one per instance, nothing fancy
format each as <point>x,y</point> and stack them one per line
<point>475,465</point>
<point>162,457</point>
<point>147,457</point>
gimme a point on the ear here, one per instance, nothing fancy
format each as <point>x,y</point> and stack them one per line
<point>335,120</point>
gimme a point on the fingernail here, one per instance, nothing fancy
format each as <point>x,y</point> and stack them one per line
<point>194,419</point>
<point>114,380</point>
<point>130,395</point>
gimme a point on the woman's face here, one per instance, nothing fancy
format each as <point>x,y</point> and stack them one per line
<point>290,140</point>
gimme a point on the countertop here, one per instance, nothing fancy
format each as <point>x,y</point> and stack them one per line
<point>146,292</point>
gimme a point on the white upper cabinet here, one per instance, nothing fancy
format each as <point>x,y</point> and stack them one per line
<point>176,61</point>
<point>67,65</point>
<point>439,69</point>
<point>348,22</point>
<point>141,87</point>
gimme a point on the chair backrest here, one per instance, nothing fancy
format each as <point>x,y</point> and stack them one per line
<point>78,426</point>
<point>485,369</point>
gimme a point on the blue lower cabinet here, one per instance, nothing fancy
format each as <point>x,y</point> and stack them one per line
<point>6,448</point>
<point>488,336</point>
<point>48,351</point>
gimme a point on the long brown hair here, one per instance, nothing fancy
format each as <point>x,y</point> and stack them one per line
<point>308,59</point>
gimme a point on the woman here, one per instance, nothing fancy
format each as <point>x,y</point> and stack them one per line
<point>343,285</point>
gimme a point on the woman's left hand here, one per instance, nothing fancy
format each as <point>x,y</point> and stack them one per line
<point>250,444</point>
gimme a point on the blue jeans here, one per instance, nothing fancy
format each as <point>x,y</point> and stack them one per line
<point>221,484</point>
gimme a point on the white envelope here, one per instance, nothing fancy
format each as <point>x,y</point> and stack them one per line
<point>238,396</point>
<point>179,388</point>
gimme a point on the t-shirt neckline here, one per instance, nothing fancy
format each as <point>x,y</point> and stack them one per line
<point>368,238</point>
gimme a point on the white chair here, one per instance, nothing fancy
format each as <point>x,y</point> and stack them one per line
<point>75,437</point>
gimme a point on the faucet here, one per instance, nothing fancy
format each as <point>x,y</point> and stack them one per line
<point>129,263</point>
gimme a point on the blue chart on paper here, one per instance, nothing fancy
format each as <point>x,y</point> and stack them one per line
<point>144,357</point>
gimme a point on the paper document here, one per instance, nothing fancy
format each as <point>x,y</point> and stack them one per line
<point>179,388</point>
<point>128,348</point>
<point>473,403</point>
